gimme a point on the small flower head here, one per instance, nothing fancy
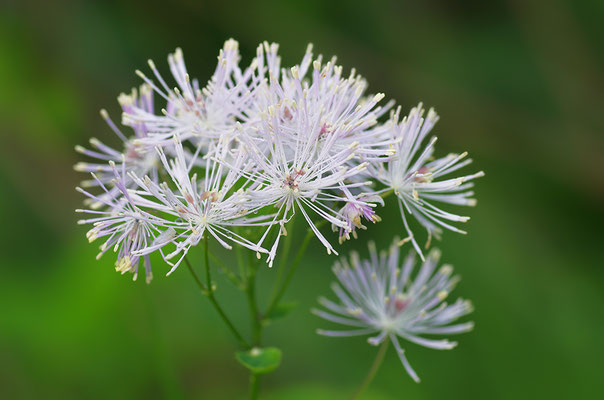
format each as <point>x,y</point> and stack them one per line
<point>198,114</point>
<point>353,213</point>
<point>133,155</point>
<point>126,227</point>
<point>316,133</point>
<point>379,296</point>
<point>419,180</point>
<point>195,208</point>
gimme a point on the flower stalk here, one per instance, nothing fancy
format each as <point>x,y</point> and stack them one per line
<point>379,358</point>
<point>208,291</point>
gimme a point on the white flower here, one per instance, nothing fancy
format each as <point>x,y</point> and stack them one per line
<point>418,180</point>
<point>353,213</point>
<point>315,102</point>
<point>315,134</point>
<point>380,296</point>
<point>214,206</point>
<point>306,183</point>
<point>201,115</point>
<point>266,142</point>
<point>136,157</point>
<point>126,227</point>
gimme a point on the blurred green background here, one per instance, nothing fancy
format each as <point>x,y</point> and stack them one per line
<point>519,84</point>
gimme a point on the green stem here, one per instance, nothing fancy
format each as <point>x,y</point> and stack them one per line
<point>209,293</point>
<point>387,193</point>
<point>273,303</point>
<point>379,358</point>
<point>240,262</point>
<point>206,256</point>
<point>254,386</point>
<point>284,255</point>
<point>253,305</point>
<point>229,274</point>
<point>255,318</point>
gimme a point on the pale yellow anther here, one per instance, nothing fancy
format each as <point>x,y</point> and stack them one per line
<point>95,142</point>
<point>92,235</point>
<point>81,167</point>
<point>295,72</point>
<point>446,269</point>
<point>178,54</point>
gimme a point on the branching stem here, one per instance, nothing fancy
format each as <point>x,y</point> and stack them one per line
<point>208,291</point>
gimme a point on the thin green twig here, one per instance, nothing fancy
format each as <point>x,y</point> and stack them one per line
<point>387,193</point>
<point>379,358</point>
<point>255,318</point>
<point>275,301</point>
<point>209,293</point>
<point>253,305</point>
<point>284,256</point>
<point>240,262</point>
<point>227,271</point>
<point>254,386</point>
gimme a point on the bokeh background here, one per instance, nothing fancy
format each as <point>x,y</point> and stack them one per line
<point>519,84</point>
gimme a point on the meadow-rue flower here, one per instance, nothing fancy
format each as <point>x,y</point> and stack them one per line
<point>354,212</point>
<point>315,102</point>
<point>198,114</point>
<point>126,227</point>
<point>211,206</point>
<point>135,156</point>
<point>382,297</point>
<point>257,145</point>
<point>419,180</point>
<point>314,135</point>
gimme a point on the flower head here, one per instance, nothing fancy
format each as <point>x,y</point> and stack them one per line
<point>194,113</point>
<point>380,296</point>
<point>419,180</point>
<point>213,205</point>
<point>354,212</point>
<point>126,227</point>
<point>134,155</point>
<point>315,134</point>
<point>253,147</point>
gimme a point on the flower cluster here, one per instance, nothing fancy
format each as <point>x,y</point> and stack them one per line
<point>381,296</point>
<point>253,147</point>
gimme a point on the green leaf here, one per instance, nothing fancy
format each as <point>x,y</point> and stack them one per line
<point>281,310</point>
<point>260,361</point>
